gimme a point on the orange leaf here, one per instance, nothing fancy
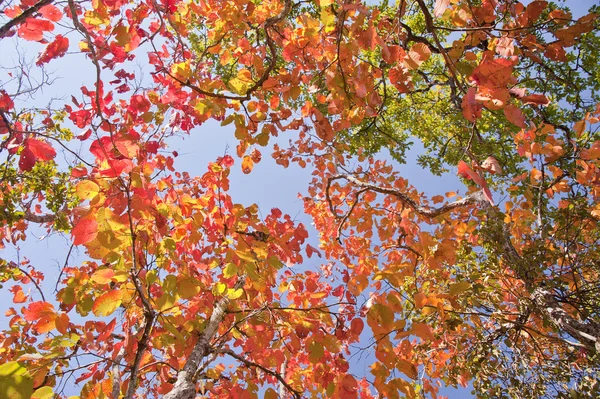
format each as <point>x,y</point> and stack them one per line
<point>407,368</point>
<point>418,54</point>
<point>247,164</point>
<point>420,300</point>
<point>33,29</point>
<point>107,303</point>
<point>536,99</point>
<point>515,116</point>
<point>422,331</point>
<point>38,310</point>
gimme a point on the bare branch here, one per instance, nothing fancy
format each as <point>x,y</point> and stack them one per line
<point>425,211</point>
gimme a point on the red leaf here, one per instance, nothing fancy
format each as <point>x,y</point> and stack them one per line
<point>369,39</point>
<point>56,49</point>
<point>356,326</point>
<point>470,107</point>
<point>139,103</point>
<point>85,135</point>
<point>40,149</point>
<point>400,78</point>
<point>534,10</point>
<point>33,29</point>
<point>6,103</point>
<point>465,171</point>
<point>51,12</point>
<point>349,385</point>
<point>515,116</point>
<point>38,310</point>
<point>13,11</point>
<point>493,73</point>
<point>79,171</point>
<point>85,231</point>
<point>536,99</point>
<point>390,53</point>
<point>26,160</point>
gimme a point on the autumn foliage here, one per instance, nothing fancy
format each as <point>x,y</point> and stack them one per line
<point>181,291</point>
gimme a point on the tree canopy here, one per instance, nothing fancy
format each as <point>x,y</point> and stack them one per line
<point>183,292</point>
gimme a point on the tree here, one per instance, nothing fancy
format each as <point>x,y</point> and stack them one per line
<point>186,293</point>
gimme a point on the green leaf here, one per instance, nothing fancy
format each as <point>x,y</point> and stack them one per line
<point>15,381</point>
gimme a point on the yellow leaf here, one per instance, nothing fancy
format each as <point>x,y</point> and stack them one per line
<point>181,70</point>
<point>15,381</point>
<point>230,270</point>
<point>219,289</point>
<point>188,288</point>
<point>43,393</point>
<point>87,189</point>
<point>235,294</point>
<point>107,303</point>
<point>238,86</point>
<point>459,288</point>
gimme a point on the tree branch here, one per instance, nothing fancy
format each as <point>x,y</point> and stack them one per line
<point>5,29</point>
<point>425,211</point>
<point>185,386</point>
<point>250,363</point>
